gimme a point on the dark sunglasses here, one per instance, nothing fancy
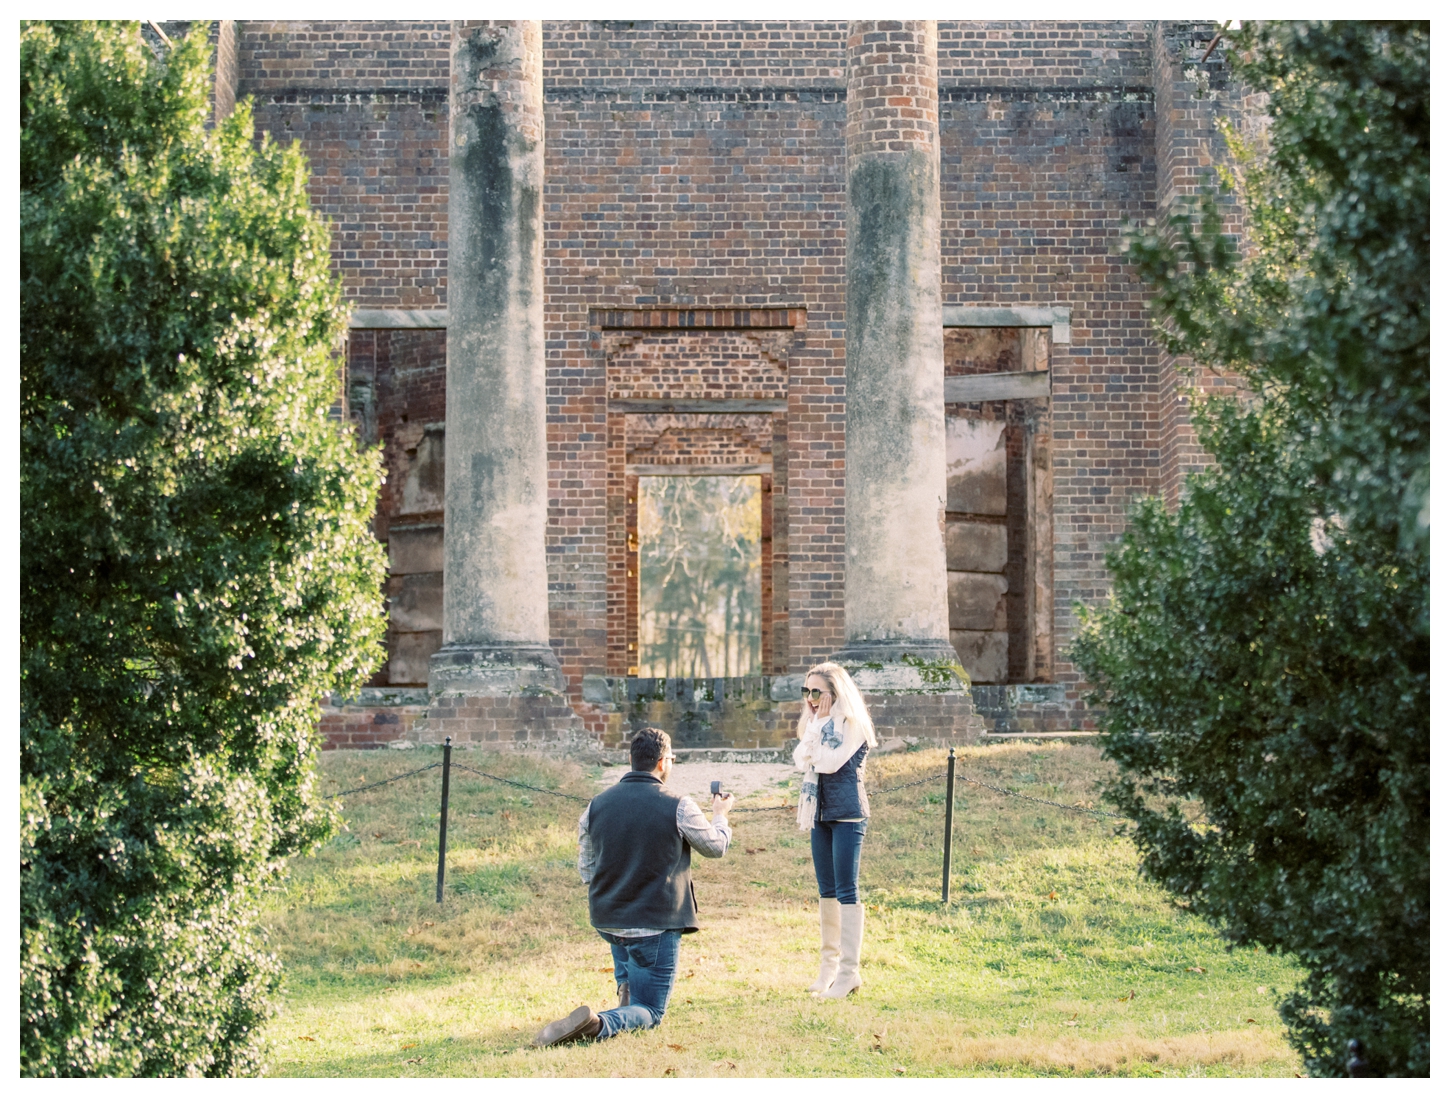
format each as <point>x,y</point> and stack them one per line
<point>814,695</point>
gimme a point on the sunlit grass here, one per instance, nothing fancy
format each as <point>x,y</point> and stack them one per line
<point>1054,957</point>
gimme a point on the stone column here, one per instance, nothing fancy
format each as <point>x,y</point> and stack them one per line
<point>496,678</point>
<point>896,581</point>
<point>898,644</point>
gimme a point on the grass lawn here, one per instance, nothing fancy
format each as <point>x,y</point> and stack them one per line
<point>1054,957</point>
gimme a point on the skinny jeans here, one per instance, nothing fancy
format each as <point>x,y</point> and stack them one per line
<point>836,852</point>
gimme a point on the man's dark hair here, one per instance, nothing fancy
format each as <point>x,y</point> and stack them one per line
<point>648,747</point>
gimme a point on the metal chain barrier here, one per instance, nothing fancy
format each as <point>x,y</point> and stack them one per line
<point>521,785</point>
<point>1039,800</point>
<point>949,774</point>
<point>758,808</point>
<point>386,781</point>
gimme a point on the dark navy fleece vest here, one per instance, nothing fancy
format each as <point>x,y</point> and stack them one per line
<point>642,862</point>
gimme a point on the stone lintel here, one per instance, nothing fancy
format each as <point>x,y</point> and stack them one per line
<point>1056,317</point>
<point>397,318</point>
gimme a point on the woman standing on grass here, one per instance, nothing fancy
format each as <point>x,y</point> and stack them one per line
<point>835,736</point>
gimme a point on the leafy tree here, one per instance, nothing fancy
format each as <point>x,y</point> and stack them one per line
<point>1264,662</point>
<point>196,562</point>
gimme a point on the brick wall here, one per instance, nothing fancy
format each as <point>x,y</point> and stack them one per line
<point>1035,54</point>
<point>377,719</point>
<point>368,105</point>
<point>284,55</point>
<point>644,53</point>
<point>1035,186</point>
<point>698,166</point>
<point>1191,98</point>
<point>722,200</point>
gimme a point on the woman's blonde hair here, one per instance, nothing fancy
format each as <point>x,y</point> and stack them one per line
<point>846,701</point>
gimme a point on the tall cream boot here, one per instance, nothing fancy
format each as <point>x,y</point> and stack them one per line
<point>830,944</point>
<point>848,977</point>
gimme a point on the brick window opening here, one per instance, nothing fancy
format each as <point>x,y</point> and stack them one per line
<point>999,512</point>
<point>396,383</point>
<point>699,576</point>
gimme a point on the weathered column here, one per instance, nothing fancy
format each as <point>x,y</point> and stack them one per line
<point>897,637</point>
<point>496,678</point>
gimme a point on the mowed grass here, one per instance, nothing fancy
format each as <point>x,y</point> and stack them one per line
<point>1054,957</point>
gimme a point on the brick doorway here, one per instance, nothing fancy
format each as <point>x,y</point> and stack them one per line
<point>999,504</point>
<point>695,394</point>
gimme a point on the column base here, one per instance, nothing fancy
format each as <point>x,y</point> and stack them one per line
<point>886,668</point>
<point>914,689</point>
<point>500,696</point>
<point>495,670</point>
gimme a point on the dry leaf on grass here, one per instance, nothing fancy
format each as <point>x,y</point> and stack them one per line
<point>415,1060</point>
<point>677,1048</point>
<point>1128,997</point>
<point>726,1064</point>
<point>1195,968</point>
<point>607,968</point>
<point>307,1038</point>
<point>412,1045</point>
<point>899,1070</point>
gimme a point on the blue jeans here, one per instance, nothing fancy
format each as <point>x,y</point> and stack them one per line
<point>836,850</point>
<point>648,965</point>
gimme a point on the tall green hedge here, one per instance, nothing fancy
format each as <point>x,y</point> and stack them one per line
<point>197,568</point>
<point>1264,662</point>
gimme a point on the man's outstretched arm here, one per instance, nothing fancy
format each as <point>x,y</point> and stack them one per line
<point>710,837</point>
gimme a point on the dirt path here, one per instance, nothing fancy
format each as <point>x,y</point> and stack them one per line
<point>694,778</point>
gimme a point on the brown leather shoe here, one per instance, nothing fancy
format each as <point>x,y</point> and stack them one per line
<point>582,1023</point>
<point>623,990</point>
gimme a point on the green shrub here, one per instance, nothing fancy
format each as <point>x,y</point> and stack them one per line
<point>1264,662</point>
<point>197,567</point>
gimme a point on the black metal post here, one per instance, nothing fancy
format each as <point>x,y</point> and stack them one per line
<point>1357,1066</point>
<point>443,814</point>
<point>946,857</point>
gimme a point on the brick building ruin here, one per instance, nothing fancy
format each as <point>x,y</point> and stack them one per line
<point>871,270</point>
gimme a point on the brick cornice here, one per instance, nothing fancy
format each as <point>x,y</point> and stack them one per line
<point>617,319</point>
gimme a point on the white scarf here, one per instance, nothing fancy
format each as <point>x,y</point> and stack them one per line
<point>805,813</point>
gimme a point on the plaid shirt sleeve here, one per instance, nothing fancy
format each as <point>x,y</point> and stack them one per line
<point>710,837</point>
<point>586,848</point>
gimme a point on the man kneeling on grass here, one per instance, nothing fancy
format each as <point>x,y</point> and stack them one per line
<point>634,854</point>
